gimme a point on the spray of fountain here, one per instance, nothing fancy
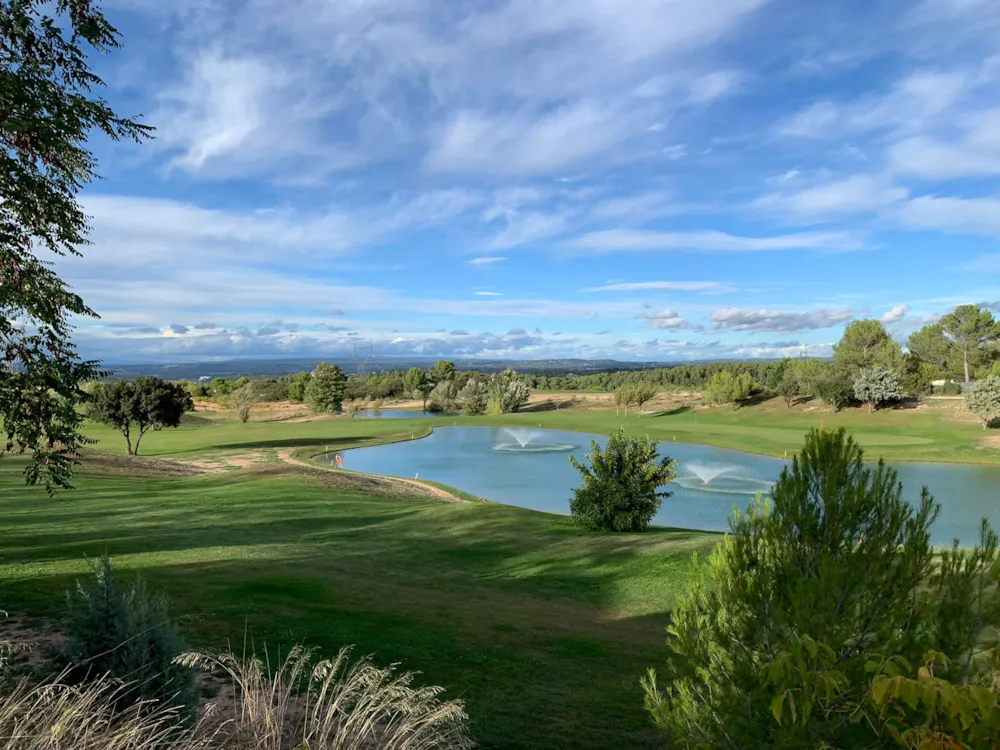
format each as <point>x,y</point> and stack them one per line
<point>523,437</point>
<point>522,440</point>
<point>708,472</point>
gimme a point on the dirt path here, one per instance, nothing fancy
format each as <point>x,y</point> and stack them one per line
<point>285,454</point>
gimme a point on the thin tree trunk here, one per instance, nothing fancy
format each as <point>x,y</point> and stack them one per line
<point>128,442</point>
<point>965,356</point>
<point>137,441</point>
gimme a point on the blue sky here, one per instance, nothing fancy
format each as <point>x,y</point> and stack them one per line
<point>656,180</point>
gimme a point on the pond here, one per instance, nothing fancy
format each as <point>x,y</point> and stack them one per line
<point>529,468</point>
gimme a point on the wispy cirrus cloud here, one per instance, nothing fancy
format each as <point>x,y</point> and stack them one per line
<point>626,240</point>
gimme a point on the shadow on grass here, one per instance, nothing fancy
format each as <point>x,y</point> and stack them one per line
<point>675,412</point>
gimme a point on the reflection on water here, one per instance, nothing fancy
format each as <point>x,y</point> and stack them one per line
<point>465,457</point>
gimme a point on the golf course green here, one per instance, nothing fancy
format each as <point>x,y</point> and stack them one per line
<point>541,628</point>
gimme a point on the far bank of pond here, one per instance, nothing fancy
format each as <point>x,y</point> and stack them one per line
<point>530,468</point>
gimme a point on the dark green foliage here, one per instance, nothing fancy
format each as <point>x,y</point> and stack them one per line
<point>126,632</point>
<point>297,388</point>
<point>325,391</point>
<point>929,345</point>
<point>621,482</point>
<point>951,388</point>
<point>836,388</point>
<point>443,370</point>
<point>727,387</point>
<point>971,330</point>
<point>837,558</point>
<point>47,111</point>
<point>917,376</point>
<point>866,343</point>
<point>788,388</point>
<point>134,407</point>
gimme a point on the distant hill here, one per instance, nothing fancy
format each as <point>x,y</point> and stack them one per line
<point>274,367</point>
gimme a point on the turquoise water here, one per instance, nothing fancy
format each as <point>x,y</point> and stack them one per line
<point>491,463</point>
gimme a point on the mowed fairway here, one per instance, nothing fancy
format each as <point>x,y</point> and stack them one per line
<point>542,629</point>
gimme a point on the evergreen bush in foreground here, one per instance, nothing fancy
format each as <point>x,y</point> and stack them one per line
<point>808,625</point>
<point>125,632</point>
<point>621,482</point>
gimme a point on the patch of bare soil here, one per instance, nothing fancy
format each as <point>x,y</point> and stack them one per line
<point>101,462</point>
<point>350,481</point>
<point>29,646</point>
<point>991,441</point>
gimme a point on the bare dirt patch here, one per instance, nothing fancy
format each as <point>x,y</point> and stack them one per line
<point>369,483</point>
<point>29,646</point>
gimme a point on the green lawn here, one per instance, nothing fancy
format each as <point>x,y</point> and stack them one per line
<point>542,629</point>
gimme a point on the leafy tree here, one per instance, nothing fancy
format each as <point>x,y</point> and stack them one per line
<point>474,397</point>
<point>297,388</point>
<point>777,373</point>
<point>444,397</point>
<point>929,345</point>
<point>642,393</point>
<point>242,399</point>
<point>624,396</point>
<point>810,373</point>
<point>220,387</point>
<point>971,329</point>
<point>325,392</point>
<point>837,388</point>
<point>413,382</point>
<point>918,377</point>
<point>443,370</point>
<point>984,400</point>
<point>134,407</point>
<point>621,482</point>
<point>48,112</point>
<point>839,557</point>
<point>788,388</point>
<point>508,393</point>
<point>728,388</point>
<point>126,632</point>
<point>993,371</point>
<point>877,386</point>
<point>866,343</point>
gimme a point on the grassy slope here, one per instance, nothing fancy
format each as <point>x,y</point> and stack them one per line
<point>542,629</point>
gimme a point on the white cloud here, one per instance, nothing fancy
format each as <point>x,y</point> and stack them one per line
<point>707,287</point>
<point>912,104</point>
<point>975,152</point>
<point>526,143</point>
<point>956,215</point>
<point>487,260</point>
<point>488,294</point>
<point>896,314</point>
<point>665,320</point>
<point>856,194</point>
<point>623,240</point>
<point>783,321</point>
